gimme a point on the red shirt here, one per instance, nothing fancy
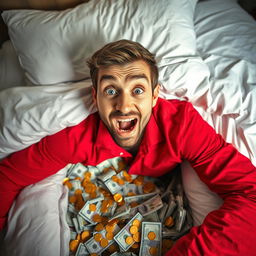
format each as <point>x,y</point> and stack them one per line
<point>175,132</point>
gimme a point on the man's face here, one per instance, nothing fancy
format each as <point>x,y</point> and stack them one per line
<point>124,99</point>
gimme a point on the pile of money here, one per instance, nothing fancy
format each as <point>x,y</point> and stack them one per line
<point>111,212</point>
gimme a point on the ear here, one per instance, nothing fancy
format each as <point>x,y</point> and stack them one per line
<point>94,95</point>
<point>156,94</point>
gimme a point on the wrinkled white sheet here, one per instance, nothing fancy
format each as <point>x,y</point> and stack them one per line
<point>229,108</point>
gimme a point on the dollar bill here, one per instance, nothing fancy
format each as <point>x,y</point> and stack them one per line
<point>76,225</point>
<point>138,198</point>
<point>151,239</point>
<point>87,214</point>
<point>162,212</point>
<point>94,171</point>
<point>95,247</point>
<point>76,184</point>
<point>112,186</point>
<point>153,204</point>
<point>81,250</point>
<point>152,217</point>
<point>122,235</point>
<point>106,176</point>
<point>180,218</point>
<point>121,213</point>
<point>77,170</point>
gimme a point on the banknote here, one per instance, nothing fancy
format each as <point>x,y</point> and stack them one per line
<point>124,234</point>
<point>112,186</point>
<point>153,204</point>
<point>151,239</point>
<point>77,170</point>
<point>88,214</point>
<point>106,176</point>
<point>94,246</point>
<point>138,198</point>
<point>82,251</point>
<point>180,218</point>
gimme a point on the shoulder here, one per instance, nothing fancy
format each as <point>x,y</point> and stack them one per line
<point>167,108</point>
<point>85,129</point>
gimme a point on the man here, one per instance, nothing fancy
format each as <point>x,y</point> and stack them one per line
<point>153,135</point>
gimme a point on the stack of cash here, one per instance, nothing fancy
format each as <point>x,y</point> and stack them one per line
<point>111,212</point>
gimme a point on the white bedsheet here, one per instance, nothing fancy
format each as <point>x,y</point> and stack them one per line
<point>229,108</point>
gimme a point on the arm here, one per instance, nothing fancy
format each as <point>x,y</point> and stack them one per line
<point>29,166</point>
<point>230,229</point>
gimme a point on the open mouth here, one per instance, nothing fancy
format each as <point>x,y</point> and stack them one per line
<point>126,125</point>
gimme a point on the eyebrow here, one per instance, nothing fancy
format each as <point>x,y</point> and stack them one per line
<point>129,77</point>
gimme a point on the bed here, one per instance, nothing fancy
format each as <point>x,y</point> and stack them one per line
<point>208,58</point>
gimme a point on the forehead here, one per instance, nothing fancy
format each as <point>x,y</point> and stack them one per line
<point>137,70</point>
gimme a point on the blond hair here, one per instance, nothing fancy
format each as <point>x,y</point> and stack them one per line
<point>120,53</point>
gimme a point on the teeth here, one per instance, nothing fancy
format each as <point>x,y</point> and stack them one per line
<point>126,120</point>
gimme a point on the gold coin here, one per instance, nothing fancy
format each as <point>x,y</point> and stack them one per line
<point>65,180</point>
<point>121,203</point>
<point>85,235</point>
<point>97,237</point>
<point>153,251</point>
<point>73,245</point>
<point>118,197</point>
<point>72,199</point>
<point>114,178</point>
<point>78,237</point>
<point>134,204</point>
<point>136,237</point>
<point>135,245</point>
<point>92,207</point>
<point>148,187</point>
<point>131,194</point>
<point>121,165</point>
<point>151,235</point>
<point>127,176</point>
<point>90,188</point>
<point>133,229</point>
<point>96,218</point>
<point>120,182</point>
<point>111,224</point>
<point>79,202</point>
<point>136,222</point>
<point>78,191</point>
<point>138,181</point>
<point>104,242</point>
<point>67,183</point>
<point>93,195</point>
<point>99,227</point>
<point>109,235</point>
<point>87,176</point>
<point>129,240</point>
<point>110,228</point>
<point>169,222</point>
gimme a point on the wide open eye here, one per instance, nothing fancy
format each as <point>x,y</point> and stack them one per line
<point>138,90</point>
<point>111,91</point>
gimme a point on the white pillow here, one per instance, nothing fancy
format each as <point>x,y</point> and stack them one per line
<point>53,45</point>
<point>11,73</point>
<point>28,114</point>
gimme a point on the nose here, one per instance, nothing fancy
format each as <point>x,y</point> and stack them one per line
<point>124,103</point>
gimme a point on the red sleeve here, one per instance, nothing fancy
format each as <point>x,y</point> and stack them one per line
<point>29,166</point>
<point>229,230</point>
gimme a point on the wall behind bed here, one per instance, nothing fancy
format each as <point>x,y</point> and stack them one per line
<point>33,4</point>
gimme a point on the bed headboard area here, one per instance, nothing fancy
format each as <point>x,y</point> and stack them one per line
<point>33,4</point>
